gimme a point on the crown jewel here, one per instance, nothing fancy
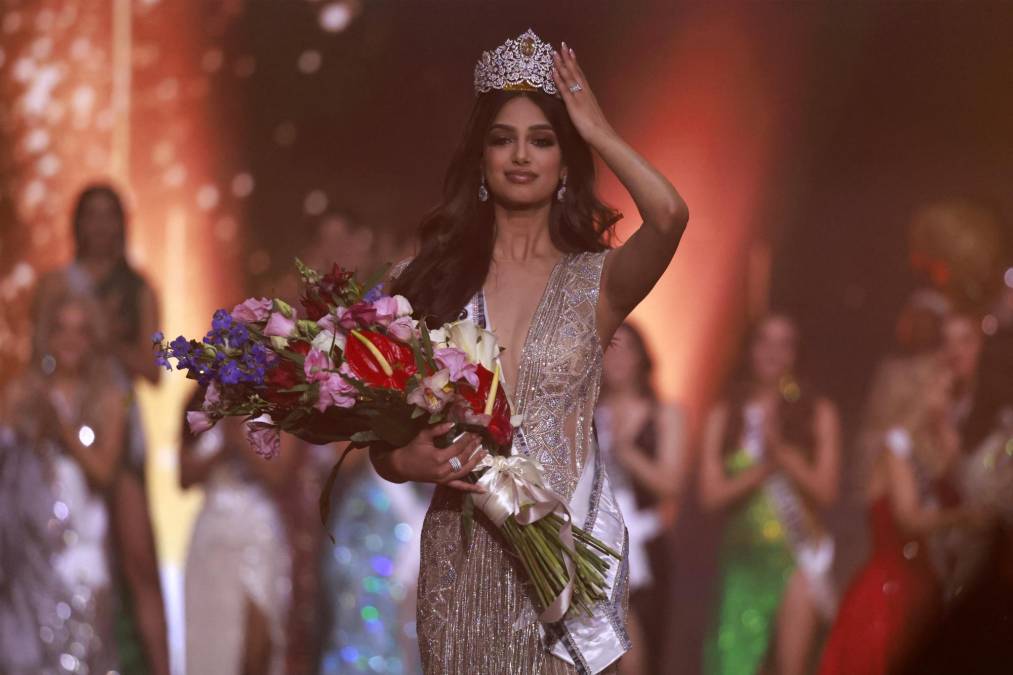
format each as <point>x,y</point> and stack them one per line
<point>521,64</point>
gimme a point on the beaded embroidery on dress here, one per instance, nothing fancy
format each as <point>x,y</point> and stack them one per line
<point>476,613</point>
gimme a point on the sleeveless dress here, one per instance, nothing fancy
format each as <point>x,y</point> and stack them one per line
<point>892,601</point>
<point>368,576</point>
<point>238,552</point>
<point>57,564</point>
<point>129,642</point>
<point>765,539</point>
<point>476,610</point>
<point>755,563</point>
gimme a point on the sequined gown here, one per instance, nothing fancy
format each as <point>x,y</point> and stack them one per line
<point>476,613</point>
<point>893,600</point>
<point>238,554</point>
<point>368,576</point>
<point>755,561</point>
<point>57,592</point>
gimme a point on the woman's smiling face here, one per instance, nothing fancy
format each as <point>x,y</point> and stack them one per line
<point>522,162</point>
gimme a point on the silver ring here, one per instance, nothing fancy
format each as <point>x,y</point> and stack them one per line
<point>575,87</point>
<point>455,464</point>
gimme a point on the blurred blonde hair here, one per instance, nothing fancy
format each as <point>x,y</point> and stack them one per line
<point>48,311</point>
<point>898,398</point>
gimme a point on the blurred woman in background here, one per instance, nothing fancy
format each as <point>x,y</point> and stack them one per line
<point>62,449</point>
<point>643,442</point>
<point>771,456</point>
<point>238,580</point>
<point>368,574</point>
<point>129,314</point>
<point>897,596</point>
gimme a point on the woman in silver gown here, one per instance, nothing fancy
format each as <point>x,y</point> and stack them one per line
<point>60,449</point>
<point>520,244</point>
<point>129,310</point>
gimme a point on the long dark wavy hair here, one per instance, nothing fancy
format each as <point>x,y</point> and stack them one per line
<point>457,236</point>
<point>645,363</point>
<point>796,405</point>
<point>122,280</point>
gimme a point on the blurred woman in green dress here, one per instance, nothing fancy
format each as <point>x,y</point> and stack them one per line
<point>770,463</point>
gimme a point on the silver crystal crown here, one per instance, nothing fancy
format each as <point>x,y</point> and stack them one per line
<point>521,64</point>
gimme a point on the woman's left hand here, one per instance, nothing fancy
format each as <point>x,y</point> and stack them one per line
<point>581,104</point>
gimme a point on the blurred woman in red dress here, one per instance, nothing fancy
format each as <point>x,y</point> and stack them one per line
<point>896,597</point>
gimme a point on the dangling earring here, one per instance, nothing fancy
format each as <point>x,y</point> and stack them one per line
<point>483,194</point>
<point>561,193</point>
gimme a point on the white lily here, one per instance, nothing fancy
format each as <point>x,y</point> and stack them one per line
<point>479,344</point>
<point>438,337</point>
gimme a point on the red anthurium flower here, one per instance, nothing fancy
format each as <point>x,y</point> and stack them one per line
<point>499,427</point>
<point>366,367</point>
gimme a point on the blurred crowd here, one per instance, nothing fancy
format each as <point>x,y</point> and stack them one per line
<point>266,589</point>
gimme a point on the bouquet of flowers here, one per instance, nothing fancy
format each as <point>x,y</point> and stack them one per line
<point>361,368</point>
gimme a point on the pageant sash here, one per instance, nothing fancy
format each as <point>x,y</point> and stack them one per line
<point>813,550</point>
<point>589,643</point>
<point>593,643</point>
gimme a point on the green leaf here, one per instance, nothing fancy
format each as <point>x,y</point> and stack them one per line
<point>308,274</point>
<point>420,359</point>
<point>364,437</point>
<point>308,328</point>
<point>325,493</point>
<point>427,344</point>
<point>376,278</point>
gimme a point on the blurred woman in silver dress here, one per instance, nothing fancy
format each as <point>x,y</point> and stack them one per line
<point>62,441</point>
<point>238,579</point>
<point>129,311</point>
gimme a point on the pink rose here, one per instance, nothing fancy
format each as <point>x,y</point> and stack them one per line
<point>386,310</point>
<point>279,325</point>
<point>328,322</point>
<point>264,436</point>
<point>401,329</point>
<point>316,366</point>
<point>456,361</point>
<point>199,421</point>
<point>252,310</point>
<point>361,314</point>
<point>335,391</point>
<point>430,394</point>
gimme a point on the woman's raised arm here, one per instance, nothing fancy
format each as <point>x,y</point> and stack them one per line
<point>632,269</point>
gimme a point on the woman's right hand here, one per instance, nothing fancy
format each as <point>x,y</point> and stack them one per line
<point>422,461</point>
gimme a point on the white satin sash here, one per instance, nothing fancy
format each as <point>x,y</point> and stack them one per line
<point>813,551</point>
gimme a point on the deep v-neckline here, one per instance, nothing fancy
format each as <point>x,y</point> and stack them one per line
<point>509,383</point>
